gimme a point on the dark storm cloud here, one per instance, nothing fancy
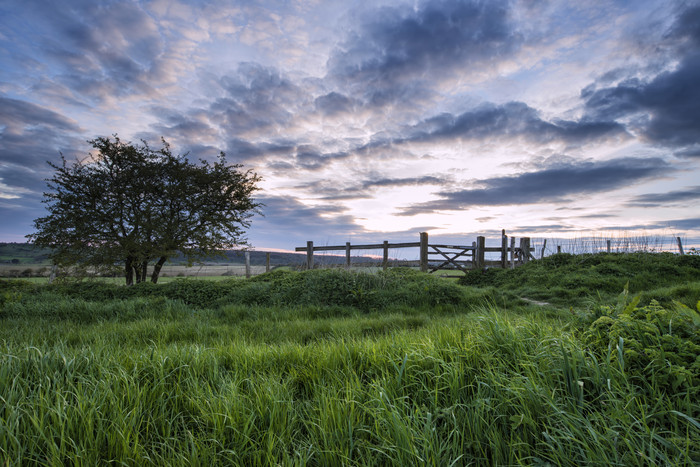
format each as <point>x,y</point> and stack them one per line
<point>551,184</point>
<point>681,197</point>
<point>398,43</point>
<point>666,109</point>
<point>687,26</point>
<point>514,119</point>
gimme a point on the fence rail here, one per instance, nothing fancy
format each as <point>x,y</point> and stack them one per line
<point>450,255</point>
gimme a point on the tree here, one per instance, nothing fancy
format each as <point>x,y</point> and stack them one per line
<point>133,205</point>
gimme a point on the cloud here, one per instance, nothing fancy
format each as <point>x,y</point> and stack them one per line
<point>686,224</point>
<point>104,50</point>
<point>333,191</point>
<point>288,221</point>
<point>665,109</point>
<point>16,115</point>
<point>334,103</point>
<point>191,127</point>
<point>396,55</point>
<point>259,100</point>
<point>688,152</point>
<point>552,184</point>
<point>29,136</point>
<point>513,119</point>
<point>669,198</point>
<point>394,43</point>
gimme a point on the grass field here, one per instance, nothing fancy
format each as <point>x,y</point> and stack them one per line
<point>340,367</point>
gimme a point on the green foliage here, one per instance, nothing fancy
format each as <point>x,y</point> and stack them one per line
<point>658,347</point>
<point>133,205</point>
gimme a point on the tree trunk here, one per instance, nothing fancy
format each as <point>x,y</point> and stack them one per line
<point>129,271</point>
<point>157,268</point>
<point>141,271</point>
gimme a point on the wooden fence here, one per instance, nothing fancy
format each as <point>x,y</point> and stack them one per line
<point>434,257</point>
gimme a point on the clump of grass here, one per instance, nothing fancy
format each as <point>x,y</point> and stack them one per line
<point>327,288</point>
<point>567,279</point>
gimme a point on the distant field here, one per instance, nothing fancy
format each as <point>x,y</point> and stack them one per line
<point>39,271</point>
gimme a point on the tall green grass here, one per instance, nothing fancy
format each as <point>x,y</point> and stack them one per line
<point>149,379</point>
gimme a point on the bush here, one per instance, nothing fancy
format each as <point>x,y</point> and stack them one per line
<point>659,347</point>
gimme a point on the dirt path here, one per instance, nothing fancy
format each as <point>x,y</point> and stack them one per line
<point>535,302</point>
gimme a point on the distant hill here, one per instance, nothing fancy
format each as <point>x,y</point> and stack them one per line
<point>23,253</point>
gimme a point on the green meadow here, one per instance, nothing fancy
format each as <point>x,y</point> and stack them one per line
<point>569,360</point>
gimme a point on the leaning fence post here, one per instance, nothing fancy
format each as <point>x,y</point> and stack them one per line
<point>680,245</point>
<point>309,255</point>
<point>347,254</point>
<point>424,251</point>
<point>385,259</point>
<point>544,245</point>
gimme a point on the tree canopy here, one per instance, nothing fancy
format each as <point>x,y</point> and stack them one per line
<point>132,205</point>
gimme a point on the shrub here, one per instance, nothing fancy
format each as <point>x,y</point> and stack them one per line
<point>659,347</point>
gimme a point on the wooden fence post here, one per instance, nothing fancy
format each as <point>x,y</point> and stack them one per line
<point>479,259</point>
<point>544,245</point>
<point>608,246</point>
<point>309,255</point>
<point>424,251</point>
<point>385,259</point>
<point>512,252</point>
<point>525,248</point>
<point>504,249</point>
<point>267,262</point>
<point>347,254</point>
<point>680,245</point>
<point>558,249</point>
<point>247,264</point>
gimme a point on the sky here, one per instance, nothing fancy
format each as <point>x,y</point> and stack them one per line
<point>374,120</point>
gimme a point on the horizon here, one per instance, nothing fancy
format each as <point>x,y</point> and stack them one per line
<point>378,120</point>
